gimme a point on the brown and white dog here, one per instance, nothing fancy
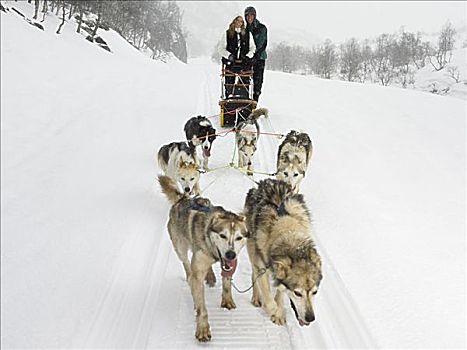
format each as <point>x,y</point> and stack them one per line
<point>282,246</point>
<point>212,234</point>
<point>246,136</point>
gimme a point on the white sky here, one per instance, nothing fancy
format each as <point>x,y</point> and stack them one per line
<point>339,20</point>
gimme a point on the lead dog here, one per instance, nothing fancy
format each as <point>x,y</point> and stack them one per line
<point>281,245</point>
<point>178,161</point>
<point>212,234</point>
<point>200,132</point>
<point>246,137</point>
<point>293,158</point>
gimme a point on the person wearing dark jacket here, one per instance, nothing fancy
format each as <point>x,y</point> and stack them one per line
<point>236,51</point>
<point>260,36</point>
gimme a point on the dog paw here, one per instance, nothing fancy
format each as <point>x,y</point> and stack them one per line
<point>256,301</point>
<point>229,304</point>
<point>279,319</point>
<point>210,279</point>
<point>203,334</point>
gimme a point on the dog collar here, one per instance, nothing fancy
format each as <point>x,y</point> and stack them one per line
<point>195,206</point>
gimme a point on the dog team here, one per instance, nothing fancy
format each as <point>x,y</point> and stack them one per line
<point>275,224</point>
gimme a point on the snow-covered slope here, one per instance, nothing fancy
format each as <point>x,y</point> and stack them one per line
<point>86,260</point>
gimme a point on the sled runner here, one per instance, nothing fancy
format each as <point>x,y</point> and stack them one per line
<point>237,94</point>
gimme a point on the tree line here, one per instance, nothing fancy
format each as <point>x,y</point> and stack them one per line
<point>386,59</point>
<point>146,24</point>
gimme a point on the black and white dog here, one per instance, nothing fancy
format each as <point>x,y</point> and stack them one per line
<point>178,161</point>
<point>293,158</point>
<point>200,132</point>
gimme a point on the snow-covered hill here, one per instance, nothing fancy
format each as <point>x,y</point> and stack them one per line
<point>86,261</point>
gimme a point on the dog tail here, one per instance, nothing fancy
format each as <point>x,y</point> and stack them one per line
<point>258,113</point>
<point>169,188</point>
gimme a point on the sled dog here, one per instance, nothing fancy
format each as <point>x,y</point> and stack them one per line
<point>178,161</point>
<point>281,245</point>
<point>246,137</point>
<point>293,158</point>
<point>212,234</point>
<point>200,132</point>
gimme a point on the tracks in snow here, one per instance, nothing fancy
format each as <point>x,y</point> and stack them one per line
<point>148,303</point>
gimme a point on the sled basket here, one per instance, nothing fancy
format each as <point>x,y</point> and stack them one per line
<point>233,111</point>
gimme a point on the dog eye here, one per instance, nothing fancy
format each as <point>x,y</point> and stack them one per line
<point>221,235</point>
<point>295,175</point>
<point>183,179</point>
<point>239,238</point>
<point>314,293</point>
<point>298,294</point>
<point>192,179</point>
<point>286,173</point>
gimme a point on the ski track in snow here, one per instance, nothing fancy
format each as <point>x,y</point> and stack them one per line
<point>149,284</point>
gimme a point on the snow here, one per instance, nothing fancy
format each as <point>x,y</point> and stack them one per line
<point>86,261</point>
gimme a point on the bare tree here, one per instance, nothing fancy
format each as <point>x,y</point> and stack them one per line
<point>36,8</point>
<point>382,59</point>
<point>44,11</point>
<point>350,60</point>
<point>63,17</point>
<point>453,72</point>
<point>327,59</point>
<point>442,55</point>
<point>367,56</point>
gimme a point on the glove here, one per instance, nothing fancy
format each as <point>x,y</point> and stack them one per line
<point>231,58</point>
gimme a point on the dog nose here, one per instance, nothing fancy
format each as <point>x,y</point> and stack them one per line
<point>230,255</point>
<point>309,317</point>
<point>249,163</point>
<point>187,189</point>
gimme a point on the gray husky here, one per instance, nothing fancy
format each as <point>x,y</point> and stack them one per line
<point>281,245</point>
<point>246,137</point>
<point>293,158</point>
<point>212,234</point>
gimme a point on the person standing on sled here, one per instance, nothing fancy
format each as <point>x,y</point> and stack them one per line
<point>260,36</point>
<point>236,51</point>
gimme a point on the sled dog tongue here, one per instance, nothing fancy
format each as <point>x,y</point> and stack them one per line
<point>228,267</point>
<point>206,152</point>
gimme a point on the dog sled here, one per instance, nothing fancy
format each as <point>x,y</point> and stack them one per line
<point>237,101</point>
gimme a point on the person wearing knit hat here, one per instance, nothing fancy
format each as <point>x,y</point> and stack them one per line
<point>260,36</point>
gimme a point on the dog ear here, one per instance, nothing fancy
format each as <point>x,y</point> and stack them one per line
<point>241,217</point>
<point>281,267</point>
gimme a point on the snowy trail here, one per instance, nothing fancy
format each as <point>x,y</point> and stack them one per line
<point>247,326</point>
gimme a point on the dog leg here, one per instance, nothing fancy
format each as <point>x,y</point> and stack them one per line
<point>205,162</point>
<point>210,278</point>
<point>227,300</point>
<point>241,162</point>
<point>200,265</point>
<point>279,316</point>
<point>255,298</point>
<point>249,170</point>
<point>181,249</point>
<point>269,305</point>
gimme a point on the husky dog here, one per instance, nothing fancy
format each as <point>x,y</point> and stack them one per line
<point>246,137</point>
<point>212,234</point>
<point>281,245</point>
<point>200,132</point>
<point>293,158</point>
<point>179,162</point>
